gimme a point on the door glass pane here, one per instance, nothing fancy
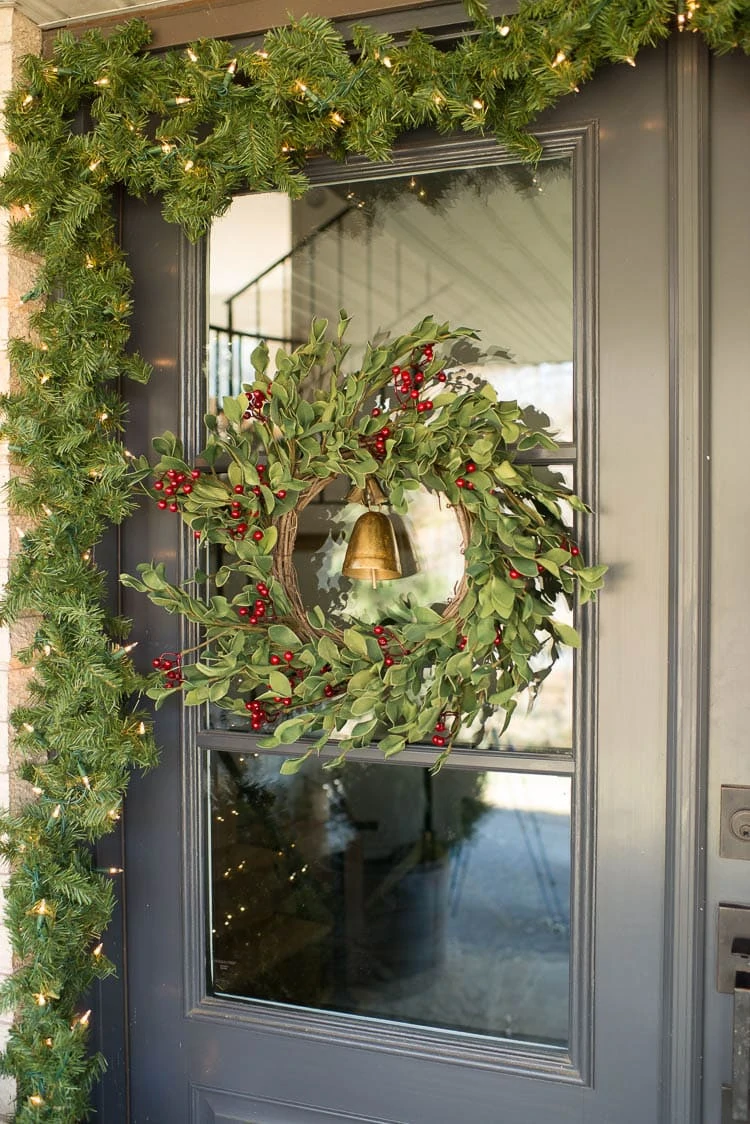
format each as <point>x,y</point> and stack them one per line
<point>386,891</point>
<point>489,247</point>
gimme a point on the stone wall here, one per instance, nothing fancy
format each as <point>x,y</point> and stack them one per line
<point>18,37</point>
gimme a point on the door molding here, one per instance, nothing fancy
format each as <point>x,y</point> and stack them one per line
<point>570,1065</point>
<point>689,560</point>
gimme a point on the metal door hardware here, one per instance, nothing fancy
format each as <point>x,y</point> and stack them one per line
<point>733,977</point>
<point>734,840</point>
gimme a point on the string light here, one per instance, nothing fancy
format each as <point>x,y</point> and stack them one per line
<point>181,99</point>
<point>166,147</point>
<point>231,69</point>
<point>629,60</point>
<point>262,54</point>
<point>103,416</point>
<point>37,790</point>
<point>47,649</point>
<point>56,811</point>
<point>114,814</point>
<point>27,101</point>
<point>559,58</point>
<point>337,118</point>
<point>96,952</point>
<point>90,262</point>
<point>49,1042</point>
<point>86,782</point>
<point>46,510</point>
<point>41,909</point>
<point>86,555</point>
<point>477,104</point>
<point>300,85</point>
<point>191,54</point>
<point>103,81</point>
<point>94,165</point>
<point>41,999</point>
<point>189,165</point>
<point>142,728</point>
<point>115,870</point>
<point>28,727</point>
<point>36,1101</point>
<point>27,208</point>
<point>504,30</point>
<point>386,61</point>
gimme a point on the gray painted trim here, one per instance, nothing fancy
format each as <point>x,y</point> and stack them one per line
<point>689,567</point>
<point>583,861</point>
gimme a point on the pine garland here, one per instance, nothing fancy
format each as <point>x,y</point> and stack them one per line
<point>193,127</point>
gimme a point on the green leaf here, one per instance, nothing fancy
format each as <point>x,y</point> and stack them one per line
<point>283,637</point>
<point>279,683</point>
<point>292,765</point>
<point>356,642</point>
<point>567,634</point>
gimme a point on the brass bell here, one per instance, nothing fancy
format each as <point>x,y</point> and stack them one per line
<point>372,553</point>
<point>372,494</point>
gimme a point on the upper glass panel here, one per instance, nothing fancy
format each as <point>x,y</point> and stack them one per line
<point>490,248</point>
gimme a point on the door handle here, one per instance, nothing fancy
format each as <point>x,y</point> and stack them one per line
<point>741,1040</point>
<point>733,978</point>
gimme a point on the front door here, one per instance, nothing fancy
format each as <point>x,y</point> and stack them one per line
<point>375,943</point>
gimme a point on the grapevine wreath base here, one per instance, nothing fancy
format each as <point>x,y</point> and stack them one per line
<point>422,674</point>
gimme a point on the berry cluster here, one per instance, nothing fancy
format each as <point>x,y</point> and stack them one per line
<point>378,444</point>
<point>259,716</point>
<point>385,638</point>
<point>172,484</point>
<point>462,482</point>
<point>171,664</point>
<point>438,738</point>
<point>256,401</point>
<point>259,610</point>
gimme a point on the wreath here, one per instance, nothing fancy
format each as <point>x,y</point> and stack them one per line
<point>405,420</point>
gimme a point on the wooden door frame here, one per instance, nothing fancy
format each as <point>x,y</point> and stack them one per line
<point>688,618</point>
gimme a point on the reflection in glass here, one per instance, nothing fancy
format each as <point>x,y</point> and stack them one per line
<point>487,247</point>
<point>382,890</point>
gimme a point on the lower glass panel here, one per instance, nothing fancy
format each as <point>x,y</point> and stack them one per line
<point>381,890</point>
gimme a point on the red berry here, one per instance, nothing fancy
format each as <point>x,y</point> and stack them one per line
<point>375,413</point>
<point>238,489</point>
<point>170,491</point>
<point>470,466</point>
<point>437,740</point>
<point>428,405</point>
<point>158,485</point>
<point>162,504</point>
<point>187,489</point>
<point>256,490</point>
<point>167,665</point>
<point>257,535</point>
<point>156,663</point>
<point>442,377</point>
<point>414,394</point>
<point>395,370</point>
<point>277,698</point>
<point>243,610</point>
<point>419,378</point>
<point>427,352</point>
<point>196,534</point>
<point>249,706</point>
<point>288,656</point>
<point>261,468</point>
<point>195,474</point>
<point>174,507</point>
<point>470,485</point>
<point>275,660</point>
<point>180,477</point>
<point>385,431</point>
<point>513,574</point>
<point>287,702</point>
<point>378,630</point>
<point>539,568</point>
<point>383,641</point>
<point>262,589</point>
<point>253,619</point>
<point>439,727</point>
<point>574,551</point>
<point>281,494</point>
<point>171,473</point>
<point>421,407</point>
<point>460,482</point>
<point>328,690</point>
<point>389,661</point>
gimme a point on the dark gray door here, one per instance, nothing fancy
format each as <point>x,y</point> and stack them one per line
<point>489,945</point>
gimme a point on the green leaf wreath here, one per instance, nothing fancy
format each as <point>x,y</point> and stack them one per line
<point>420,675</point>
